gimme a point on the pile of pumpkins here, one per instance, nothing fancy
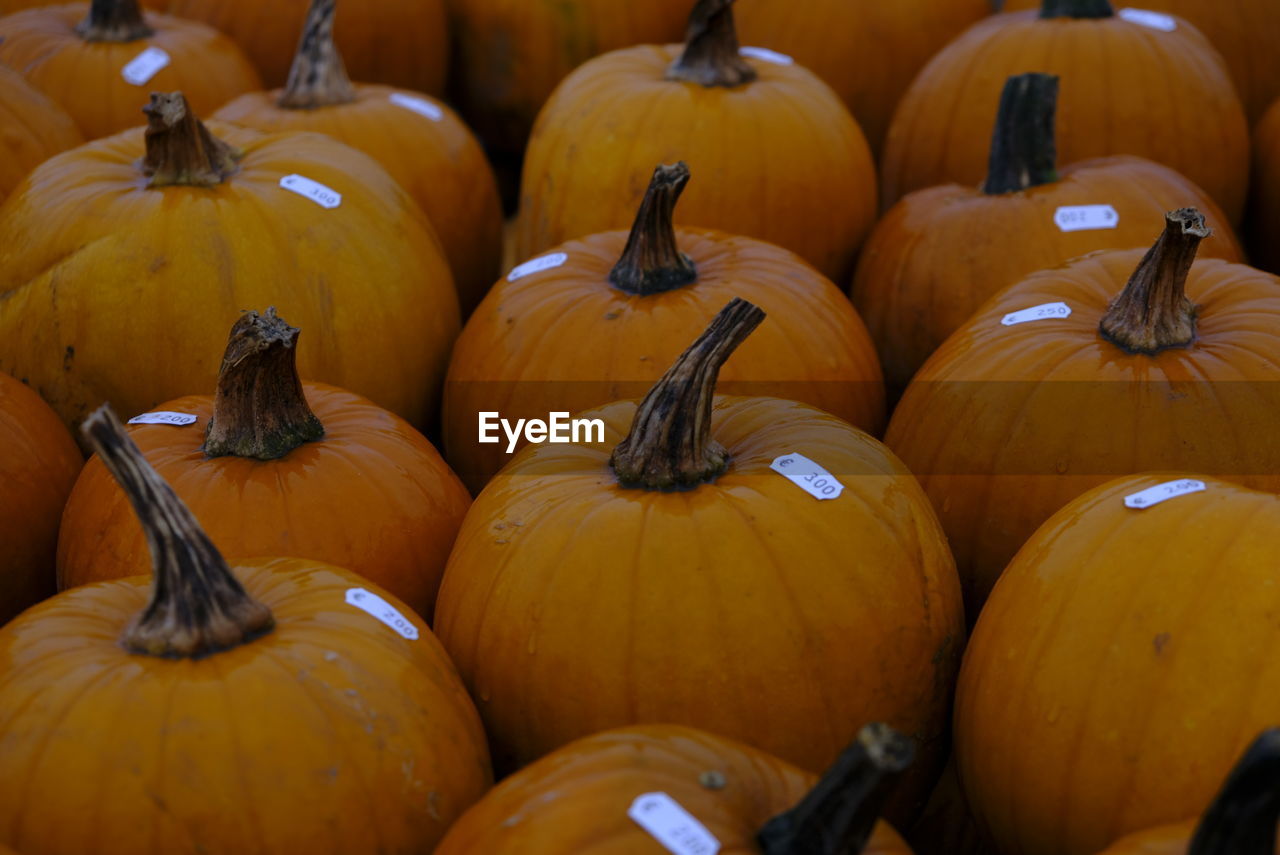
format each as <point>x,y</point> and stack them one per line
<point>926,356</point>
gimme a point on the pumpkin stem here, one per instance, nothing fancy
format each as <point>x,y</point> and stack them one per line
<point>180,149</point>
<point>114,21</point>
<point>670,444</point>
<point>1242,818</point>
<point>197,607</point>
<point>1076,9</point>
<point>259,409</point>
<point>1023,152</point>
<point>710,56</point>
<point>652,262</point>
<point>317,78</point>
<point>839,814</point>
<point>1152,313</point>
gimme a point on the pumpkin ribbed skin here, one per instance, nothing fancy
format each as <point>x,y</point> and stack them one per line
<point>1172,839</point>
<point>1125,89</point>
<point>1100,694</point>
<point>32,129</point>
<point>85,78</point>
<point>1264,214</point>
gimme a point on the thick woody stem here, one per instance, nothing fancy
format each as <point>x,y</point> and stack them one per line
<point>652,262</point>
<point>1242,819</point>
<point>114,21</point>
<point>710,56</point>
<point>317,78</point>
<point>1023,150</point>
<point>180,149</point>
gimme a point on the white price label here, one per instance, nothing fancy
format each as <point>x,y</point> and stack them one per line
<point>538,265</point>
<point>808,476</point>
<point>1162,493</point>
<point>325,197</point>
<point>144,66</point>
<point>1037,313</point>
<point>767,55</point>
<point>1083,218</point>
<point>383,611</point>
<point>1146,18</point>
<point>162,417</point>
<point>672,826</point>
<point>421,106</point>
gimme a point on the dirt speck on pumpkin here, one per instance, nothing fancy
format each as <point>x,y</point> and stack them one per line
<point>1160,641</point>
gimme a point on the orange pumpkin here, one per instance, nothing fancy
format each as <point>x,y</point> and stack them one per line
<point>669,574</point>
<point>279,706</point>
<point>106,269</point>
<point>98,61</point>
<point>38,464</point>
<point>940,253</point>
<point>1125,659</point>
<point>581,798</point>
<point>307,470</point>
<point>1127,88</point>
<point>782,158</point>
<point>32,129</point>
<point>619,301</point>
<point>1264,214</point>
<point>1056,384</point>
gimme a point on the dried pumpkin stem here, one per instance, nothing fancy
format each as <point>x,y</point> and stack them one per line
<point>1076,9</point>
<point>114,21</point>
<point>710,56</point>
<point>1242,818</point>
<point>652,262</point>
<point>180,149</point>
<point>197,607</point>
<point>1023,149</point>
<point>317,78</point>
<point>259,409</point>
<point>839,814</point>
<point>1153,313</point>
<point>670,444</point>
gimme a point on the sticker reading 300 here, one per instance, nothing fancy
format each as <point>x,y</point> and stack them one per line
<point>325,197</point>
<point>1162,493</point>
<point>1147,18</point>
<point>808,476</point>
<point>1084,218</point>
<point>545,262</point>
<point>382,610</point>
<point>139,70</point>
<point>767,55</point>
<point>1037,313</point>
<point>164,417</point>
<point>672,826</point>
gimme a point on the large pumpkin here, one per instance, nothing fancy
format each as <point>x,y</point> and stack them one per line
<point>1264,212</point>
<point>1057,384</point>
<point>778,156</point>
<point>1127,88</point>
<point>277,467</point>
<point>125,259</point>
<point>940,253</point>
<point>619,302</point>
<point>1124,661</point>
<point>669,574</point>
<point>98,61</point>
<point>280,706</point>
<point>32,129</point>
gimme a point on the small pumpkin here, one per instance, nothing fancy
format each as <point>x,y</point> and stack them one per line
<point>1264,212</point>
<point>32,129</point>
<point>99,60</point>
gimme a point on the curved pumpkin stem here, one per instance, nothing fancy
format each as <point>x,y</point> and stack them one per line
<point>1023,148</point>
<point>652,262</point>
<point>317,77</point>
<point>1152,313</point>
<point>839,814</point>
<point>670,444</point>
<point>1076,9</point>
<point>1242,818</point>
<point>259,409</point>
<point>114,21</point>
<point>711,55</point>
<point>197,607</point>
<point>180,149</point>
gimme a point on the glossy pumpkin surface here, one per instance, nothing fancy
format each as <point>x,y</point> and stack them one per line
<point>32,129</point>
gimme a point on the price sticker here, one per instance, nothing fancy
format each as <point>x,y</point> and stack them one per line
<point>808,476</point>
<point>373,604</point>
<point>1163,493</point>
<point>546,262</point>
<point>164,417</point>
<point>144,66</point>
<point>672,826</point>
<point>1037,313</point>
<point>767,55</point>
<point>325,197</point>
<point>1084,218</point>
<point>421,106</point>
<point>1146,18</point>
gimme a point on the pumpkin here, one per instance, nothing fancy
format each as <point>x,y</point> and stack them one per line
<point>277,467</point>
<point>32,129</point>
<point>868,52</point>
<point>278,706</point>
<point>1125,659</point>
<point>940,253</point>
<point>1126,88</point>
<point>782,158</point>
<point>1264,219</point>
<point>946,824</point>
<point>420,141</point>
<point>619,300</point>
<point>147,244</point>
<point>1056,384</point>
<point>38,464</point>
<point>667,574</point>
<point>581,798</point>
<point>98,60</point>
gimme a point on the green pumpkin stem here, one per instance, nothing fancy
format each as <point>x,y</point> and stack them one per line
<point>197,607</point>
<point>652,262</point>
<point>670,444</point>
<point>1242,818</point>
<point>710,56</point>
<point>114,21</point>
<point>259,409</point>
<point>317,78</point>
<point>1023,149</point>
<point>180,149</point>
<point>839,814</point>
<point>1153,313</point>
<point>1076,9</point>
